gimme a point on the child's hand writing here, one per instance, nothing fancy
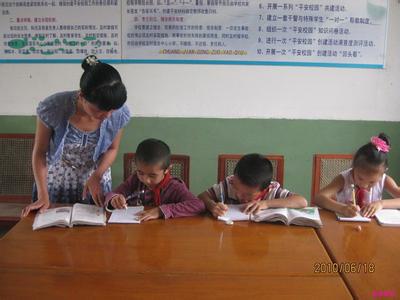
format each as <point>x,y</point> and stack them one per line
<point>150,214</point>
<point>218,209</point>
<point>255,206</point>
<point>350,210</point>
<point>371,209</point>
<point>118,202</point>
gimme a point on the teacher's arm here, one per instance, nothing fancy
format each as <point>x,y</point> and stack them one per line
<point>93,185</point>
<point>39,165</point>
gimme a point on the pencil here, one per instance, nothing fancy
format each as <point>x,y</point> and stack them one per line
<point>221,187</point>
<point>353,194</point>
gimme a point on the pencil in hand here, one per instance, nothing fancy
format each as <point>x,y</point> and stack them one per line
<point>353,194</point>
<point>221,187</point>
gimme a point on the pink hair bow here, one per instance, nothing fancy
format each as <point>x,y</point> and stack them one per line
<point>380,144</point>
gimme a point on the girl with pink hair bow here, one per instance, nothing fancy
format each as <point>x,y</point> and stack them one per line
<point>365,182</point>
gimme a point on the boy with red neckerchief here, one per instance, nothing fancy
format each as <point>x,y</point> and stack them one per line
<point>153,185</point>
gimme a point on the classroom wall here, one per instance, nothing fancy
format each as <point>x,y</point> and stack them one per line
<point>203,139</point>
<point>204,110</point>
<point>224,91</point>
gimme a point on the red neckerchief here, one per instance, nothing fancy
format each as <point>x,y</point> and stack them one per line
<point>262,194</point>
<point>360,197</point>
<point>157,190</point>
<point>360,193</point>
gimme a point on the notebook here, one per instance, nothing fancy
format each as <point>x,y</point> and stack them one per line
<point>308,216</point>
<point>235,213</point>
<point>68,216</point>
<point>357,218</point>
<point>126,216</point>
<point>388,217</point>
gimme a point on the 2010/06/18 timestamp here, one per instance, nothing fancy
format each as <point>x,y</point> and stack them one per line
<point>345,267</point>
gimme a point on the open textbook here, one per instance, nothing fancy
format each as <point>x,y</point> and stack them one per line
<point>126,216</point>
<point>388,217</point>
<point>68,216</point>
<point>357,218</point>
<point>308,216</point>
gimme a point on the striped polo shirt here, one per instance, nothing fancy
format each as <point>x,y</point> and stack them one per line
<point>274,191</point>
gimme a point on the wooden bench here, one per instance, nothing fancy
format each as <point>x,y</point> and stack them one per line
<point>325,168</point>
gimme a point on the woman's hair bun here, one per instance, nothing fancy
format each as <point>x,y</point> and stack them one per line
<point>89,62</point>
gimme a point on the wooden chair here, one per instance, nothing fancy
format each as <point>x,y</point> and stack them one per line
<point>227,163</point>
<point>325,168</point>
<point>16,175</point>
<point>180,165</point>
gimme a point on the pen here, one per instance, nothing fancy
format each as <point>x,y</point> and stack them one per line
<point>221,188</point>
<point>370,195</point>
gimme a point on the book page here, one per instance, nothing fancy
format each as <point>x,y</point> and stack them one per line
<point>85,214</point>
<point>306,212</point>
<point>235,213</point>
<point>388,217</point>
<point>127,216</point>
<point>271,215</point>
<point>307,216</point>
<point>357,218</point>
<point>59,216</point>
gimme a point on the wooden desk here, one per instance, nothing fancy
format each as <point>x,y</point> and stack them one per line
<point>374,252</point>
<point>187,257</point>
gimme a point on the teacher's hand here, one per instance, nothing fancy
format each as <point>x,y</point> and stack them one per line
<point>41,204</point>
<point>93,187</point>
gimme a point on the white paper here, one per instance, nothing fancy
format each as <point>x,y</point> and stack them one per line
<point>388,217</point>
<point>357,218</point>
<point>235,213</point>
<point>127,216</point>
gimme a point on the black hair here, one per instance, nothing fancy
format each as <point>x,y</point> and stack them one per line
<point>102,85</point>
<point>254,170</point>
<point>368,156</point>
<point>153,151</point>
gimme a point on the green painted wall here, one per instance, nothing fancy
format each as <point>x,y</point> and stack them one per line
<point>204,139</point>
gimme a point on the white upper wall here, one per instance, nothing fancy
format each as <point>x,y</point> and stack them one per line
<point>229,91</point>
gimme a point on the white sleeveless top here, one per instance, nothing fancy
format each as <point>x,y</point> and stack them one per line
<point>344,195</point>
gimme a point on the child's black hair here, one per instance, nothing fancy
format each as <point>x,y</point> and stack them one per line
<point>254,170</point>
<point>153,151</point>
<point>101,84</point>
<point>368,156</point>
